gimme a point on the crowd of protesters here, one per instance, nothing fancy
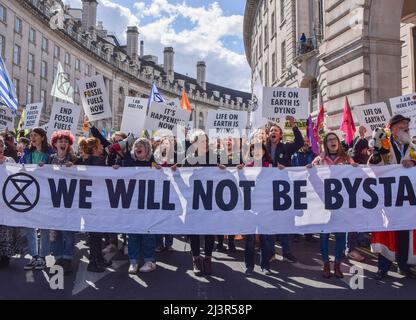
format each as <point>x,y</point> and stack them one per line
<point>125,151</point>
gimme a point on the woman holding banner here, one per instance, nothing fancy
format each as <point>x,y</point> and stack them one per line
<point>200,155</point>
<point>62,242</point>
<point>141,156</point>
<point>260,157</point>
<point>334,154</point>
<point>92,151</point>
<point>38,153</point>
<point>8,235</point>
<point>231,155</point>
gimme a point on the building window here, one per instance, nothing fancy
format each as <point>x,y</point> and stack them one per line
<point>67,58</point>
<point>273,67</point>
<point>87,70</point>
<point>45,44</point>
<point>320,28</point>
<point>3,17</point>
<point>266,74</point>
<point>2,45</point>
<point>29,98</point>
<point>16,55</point>
<point>32,35</point>
<point>16,84</point>
<point>43,98</point>
<point>283,53</point>
<point>55,71</point>
<point>31,63</point>
<point>18,25</point>
<point>260,46</point>
<point>57,52</point>
<point>77,64</point>
<point>44,70</point>
<point>273,21</point>
<point>201,121</point>
<point>282,11</point>
<point>314,95</point>
<point>266,36</point>
<point>76,89</point>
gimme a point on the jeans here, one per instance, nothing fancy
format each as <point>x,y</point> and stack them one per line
<point>145,242</point>
<point>267,246</point>
<point>64,245</point>
<point>284,242</point>
<point>340,239</point>
<point>36,247</point>
<point>168,240</point>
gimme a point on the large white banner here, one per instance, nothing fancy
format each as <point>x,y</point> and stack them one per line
<point>278,103</point>
<point>134,115</point>
<point>209,200</point>
<point>405,105</point>
<point>94,98</point>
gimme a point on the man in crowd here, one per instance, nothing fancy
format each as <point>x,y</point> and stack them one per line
<point>392,246</point>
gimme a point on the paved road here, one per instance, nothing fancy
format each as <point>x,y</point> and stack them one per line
<point>173,279</point>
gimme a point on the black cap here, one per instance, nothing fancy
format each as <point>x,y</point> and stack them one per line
<point>396,119</point>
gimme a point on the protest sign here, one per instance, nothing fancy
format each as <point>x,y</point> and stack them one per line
<point>32,116</point>
<point>283,102</point>
<point>372,116</point>
<point>6,118</point>
<point>134,115</point>
<point>225,124</point>
<point>406,106</point>
<point>162,116</point>
<point>94,98</point>
<point>64,116</point>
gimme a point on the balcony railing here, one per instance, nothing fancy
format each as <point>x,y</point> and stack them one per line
<point>306,46</point>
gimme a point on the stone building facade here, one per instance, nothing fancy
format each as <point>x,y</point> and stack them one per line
<point>363,49</point>
<point>32,47</point>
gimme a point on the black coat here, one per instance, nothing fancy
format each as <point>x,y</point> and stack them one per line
<point>285,151</point>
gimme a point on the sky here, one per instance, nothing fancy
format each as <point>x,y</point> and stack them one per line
<point>197,30</point>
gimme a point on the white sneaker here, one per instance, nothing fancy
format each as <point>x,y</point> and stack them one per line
<point>109,248</point>
<point>148,267</point>
<point>133,268</point>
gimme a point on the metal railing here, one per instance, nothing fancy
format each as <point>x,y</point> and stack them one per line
<point>306,46</point>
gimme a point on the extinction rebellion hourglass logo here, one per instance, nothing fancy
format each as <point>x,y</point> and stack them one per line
<point>21,192</point>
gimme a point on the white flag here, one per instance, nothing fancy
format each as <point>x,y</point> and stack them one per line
<point>256,115</point>
<point>62,88</point>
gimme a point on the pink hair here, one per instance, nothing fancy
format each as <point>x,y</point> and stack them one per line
<point>62,135</point>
